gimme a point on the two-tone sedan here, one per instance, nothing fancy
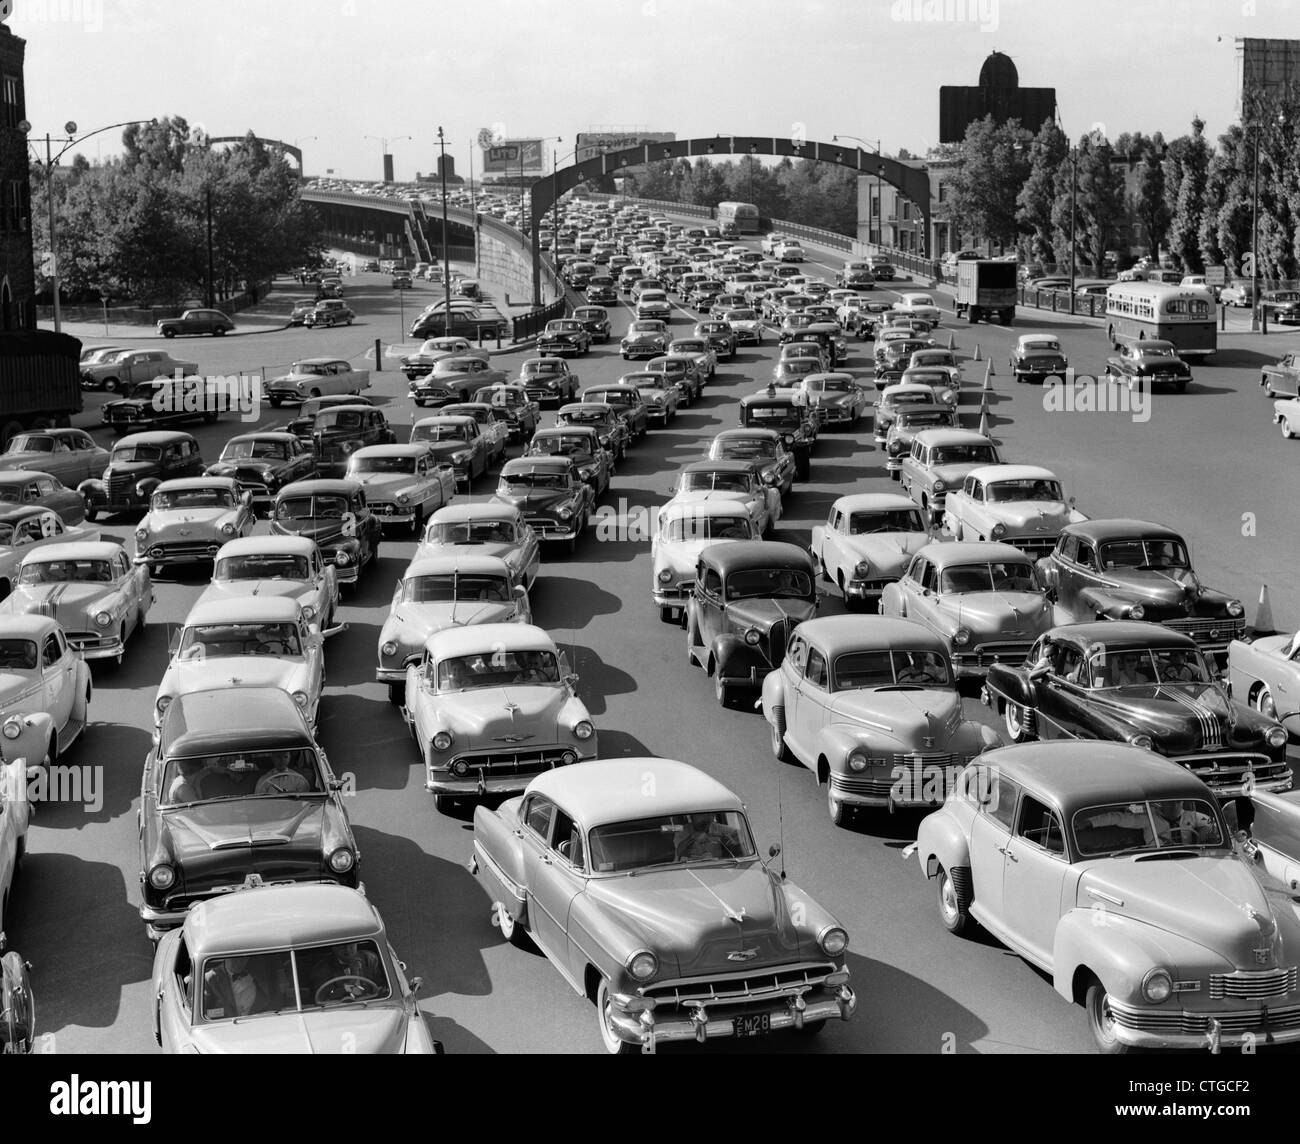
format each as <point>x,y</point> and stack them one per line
<point>737,481</point>
<point>867,542</point>
<point>453,378</point>
<point>661,912</point>
<point>92,589</point>
<point>985,601</point>
<point>550,492</point>
<point>489,529</point>
<point>581,444</point>
<point>316,377</point>
<point>837,397</point>
<point>548,379</point>
<point>645,338</point>
<point>939,461</point>
<point>404,484</point>
<point>490,706</point>
<point>565,336</point>
<point>448,590</point>
<point>1149,362</point>
<point>266,566</point>
<point>683,531</point>
<point>1021,505</point>
<point>263,462</point>
<point>190,519</point>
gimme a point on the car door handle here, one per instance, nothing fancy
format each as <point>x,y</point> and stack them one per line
<point>1011,857</point>
<point>546,860</point>
<point>1002,849</point>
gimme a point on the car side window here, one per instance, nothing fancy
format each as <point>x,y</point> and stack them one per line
<point>1039,825</point>
<point>797,653</point>
<point>1068,548</point>
<point>976,491</point>
<point>1069,665</point>
<point>1000,795</point>
<point>917,570</point>
<point>930,581</point>
<point>568,840</point>
<point>537,816</point>
<point>51,652</point>
<point>816,668</point>
<point>712,582</point>
<point>1087,556</point>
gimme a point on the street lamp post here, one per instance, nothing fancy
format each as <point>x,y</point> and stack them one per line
<point>446,265</point>
<point>880,177</point>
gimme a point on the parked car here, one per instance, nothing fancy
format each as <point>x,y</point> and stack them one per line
<point>91,588</point>
<point>556,502</point>
<point>1037,357</point>
<point>229,766</point>
<point>1281,379</point>
<point>404,484</point>
<point>276,566</point>
<point>315,377</point>
<point>212,322</point>
<point>1020,505</point>
<point>334,514</point>
<point>486,528</point>
<point>69,455</point>
<point>1264,673</point>
<point>190,519</point>
<point>1086,830</point>
<point>867,542</point>
<point>658,967</point>
<point>939,461</point>
<point>1151,362</point>
<point>45,690</point>
<point>25,487</point>
<point>1136,570</point>
<point>871,707</point>
<point>330,311</point>
<point>263,462</point>
<point>492,705</point>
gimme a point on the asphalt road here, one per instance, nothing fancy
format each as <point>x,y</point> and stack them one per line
<point>1201,461</point>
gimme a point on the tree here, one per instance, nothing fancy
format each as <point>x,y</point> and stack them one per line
<point>1037,197</point>
<point>1186,164</point>
<point>1149,207</point>
<point>983,189</point>
<point>1100,199</point>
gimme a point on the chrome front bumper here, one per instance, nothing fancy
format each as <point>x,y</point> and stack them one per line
<point>101,649</point>
<point>1183,1029</point>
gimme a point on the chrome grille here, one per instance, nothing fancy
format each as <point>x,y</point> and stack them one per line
<point>88,641</point>
<point>990,653</point>
<point>1033,545</point>
<point>1182,1021</point>
<point>198,549</point>
<point>778,636</point>
<point>1220,770</point>
<point>1254,986</point>
<point>865,785</point>
<point>759,985</point>
<point>120,488</point>
<point>497,763</point>
<point>1225,628</point>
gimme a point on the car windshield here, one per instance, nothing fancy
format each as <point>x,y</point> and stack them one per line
<point>311,508</point>
<point>769,583</point>
<point>645,328</point>
<point>745,448</point>
<point>797,367</point>
<point>542,480</point>
<point>472,532</point>
<point>888,520</point>
<point>240,775</point>
<point>830,385</point>
<point>1024,490</point>
<point>454,586</point>
<point>30,443</point>
<point>344,420</point>
<point>724,482</point>
<point>1155,824</point>
<point>1138,666</point>
<point>17,655</point>
<point>708,528</point>
<point>1144,555</point>
<point>1151,349</point>
<point>558,444</point>
<point>741,316</point>
<point>311,369</point>
<point>381,464</point>
<point>262,566</point>
<point>193,498</point>
<point>498,668</point>
<point>199,641</point>
<point>66,571</point>
<point>964,455</point>
<point>896,667</point>
<point>255,449</point>
<point>670,839</point>
<point>124,454</point>
<point>321,977</point>
<point>686,347</point>
<point>540,368</point>
<point>585,416</point>
<point>1000,576</point>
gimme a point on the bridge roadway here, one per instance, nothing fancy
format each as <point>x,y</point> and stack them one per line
<point>1202,461</point>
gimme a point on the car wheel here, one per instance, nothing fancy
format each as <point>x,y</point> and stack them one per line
<point>721,689</point>
<point>954,915</point>
<point>443,803</point>
<point>614,1044</point>
<point>835,807</point>
<point>1101,1021</point>
<point>1286,428</point>
<point>110,385</point>
<point>315,392</point>
<point>169,333</point>
<point>780,751</point>
<point>1264,702</point>
<point>1018,723</point>
<point>92,513</point>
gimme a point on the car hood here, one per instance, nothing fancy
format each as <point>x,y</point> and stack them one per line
<point>387,484</point>
<point>510,552</point>
<point>692,917</point>
<point>1003,613</point>
<point>539,500</point>
<point>135,469</point>
<point>1033,516</point>
<point>416,622</point>
<point>1179,716</point>
<point>190,675</point>
<point>911,714</point>
<point>764,612</point>
<point>888,553</point>
<point>683,555</point>
<point>270,589</point>
<point>216,843</point>
<point>1171,589</point>
<point>951,475</point>
<point>160,523</point>
<point>321,531</point>
<point>259,469</point>
<point>376,1028</point>
<point>488,716</point>
<point>68,603</point>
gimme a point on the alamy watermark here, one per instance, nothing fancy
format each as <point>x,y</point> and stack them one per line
<point>981,12</point>
<point>55,783</point>
<point>1083,393</point>
<point>88,13</point>
<point>219,393</point>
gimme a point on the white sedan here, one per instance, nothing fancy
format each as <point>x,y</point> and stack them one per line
<point>919,306</point>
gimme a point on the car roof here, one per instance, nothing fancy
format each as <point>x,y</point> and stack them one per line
<point>729,465</point>
<point>536,463</point>
<point>839,634</point>
<point>416,450</point>
<point>739,555</point>
<point>266,544</point>
<point>276,435</point>
<point>75,550</point>
<point>471,563</point>
<point>153,437</point>
<point>22,512</point>
<point>180,484</point>
<point>1121,528</point>
<point>904,388</point>
<point>245,609</point>
<point>865,502</point>
<point>747,434</point>
<point>278,917</point>
<point>952,437</point>
<point>604,791</point>
<point>319,360</point>
<point>484,510</point>
<point>946,553</point>
<point>476,638</point>
<point>26,626</point>
<point>225,719</point>
<point>677,510</point>
<point>21,477</point>
<point>1125,632</point>
<point>1012,473</point>
<point>328,486</point>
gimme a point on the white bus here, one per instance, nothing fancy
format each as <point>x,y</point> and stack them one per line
<point>1183,315</point>
<point>737,218</point>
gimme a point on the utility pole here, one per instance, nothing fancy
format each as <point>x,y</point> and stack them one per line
<point>54,247</point>
<point>446,265</point>
<point>212,291</point>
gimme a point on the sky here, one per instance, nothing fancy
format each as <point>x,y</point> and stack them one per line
<point>341,70</point>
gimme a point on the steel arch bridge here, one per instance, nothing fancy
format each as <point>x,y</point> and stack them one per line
<point>912,182</point>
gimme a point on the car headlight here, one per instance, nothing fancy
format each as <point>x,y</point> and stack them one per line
<point>583,730</point>
<point>227,530</point>
<point>300,698</point>
<point>351,446</point>
<point>103,619</point>
<point>403,498</point>
<point>164,701</point>
<point>857,760</point>
<point>461,457</point>
<point>389,647</point>
<point>342,558</point>
<point>342,860</point>
<point>565,513</point>
<point>961,637</point>
<point>895,447</point>
<point>1143,741</point>
<point>442,741</point>
<point>1136,612</point>
<point>13,728</point>
<point>939,485</point>
<point>162,877</point>
<point>862,568</point>
<point>643,965</point>
<point>1234,608</point>
<point>665,575</point>
<point>309,613</point>
<point>1157,986</point>
<point>999,530</point>
<point>142,536</point>
<point>833,941</point>
<point>1276,737</point>
<point>299,385</point>
<point>753,636</point>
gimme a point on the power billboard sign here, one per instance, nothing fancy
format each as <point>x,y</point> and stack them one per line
<point>593,143</point>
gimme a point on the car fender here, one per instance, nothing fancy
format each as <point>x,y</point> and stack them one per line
<point>498,849</point>
<point>941,841</point>
<point>34,741</point>
<point>145,488</point>
<point>732,656</point>
<point>1248,666</point>
<point>93,490</point>
<point>1102,603</point>
<point>1011,684</point>
<point>774,700</point>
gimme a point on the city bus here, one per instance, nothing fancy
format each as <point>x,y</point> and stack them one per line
<point>1183,315</point>
<point>737,218</point>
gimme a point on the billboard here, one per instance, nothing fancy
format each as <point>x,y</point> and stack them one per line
<point>1269,68</point>
<point>503,158</point>
<point>592,143</point>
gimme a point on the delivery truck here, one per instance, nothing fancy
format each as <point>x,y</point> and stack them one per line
<point>986,289</point>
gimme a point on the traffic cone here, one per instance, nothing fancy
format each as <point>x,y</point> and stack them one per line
<point>1263,614</point>
<point>988,378</point>
<point>984,420</point>
<point>951,345</point>
<point>977,353</point>
<point>992,370</point>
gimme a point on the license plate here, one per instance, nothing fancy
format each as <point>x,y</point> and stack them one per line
<point>755,1025</point>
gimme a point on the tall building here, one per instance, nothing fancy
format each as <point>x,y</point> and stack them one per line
<point>1000,95</point>
<point>17,270</point>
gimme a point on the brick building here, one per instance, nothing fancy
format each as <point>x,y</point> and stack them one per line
<point>17,271</point>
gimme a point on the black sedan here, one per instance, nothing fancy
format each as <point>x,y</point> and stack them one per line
<point>1151,362</point>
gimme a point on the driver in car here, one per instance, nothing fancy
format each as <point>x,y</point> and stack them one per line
<point>347,972</point>
<point>282,778</point>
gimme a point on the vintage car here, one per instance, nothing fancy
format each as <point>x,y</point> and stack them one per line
<point>493,426</point>
<point>190,519</point>
<point>1142,684</point>
<point>1020,505</point>
<point>837,397</point>
<point>700,348</point>
<point>683,370</point>
<point>720,336</point>
<point>739,481</point>
<point>895,398</point>
<point>455,441</point>
<point>1283,306</point>
<point>490,706</point>
<point>610,426</point>
<point>867,542</point>
<point>623,898</point>
<point>662,396</point>
<point>683,531</point>
<point>325,977</point>
<point>236,785</point>
<point>488,529</point>
<point>746,323</point>
<point>521,412</point>
<point>433,350</point>
<point>548,379</point>
<point>28,529</point>
<point>748,597</point>
<point>763,447</point>
<point>653,305</point>
<point>894,358</point>
<point>1116,876</point>
<point>856,275</point>
<point>1264,673</point>
<point>871,707</point>
<point>126,371</point>
<point>450,589</point>
<point>1287,414</point>
<point>1135,570</point>
<point>299,309</point>
<point>404,484</point>
<point>247,641</point>
<point>334,514</point>
<point>645,338</point>
<point>338,431</point>
<point>551,493</point>
<point>263,462</point>
<point>986,602</point>
<point>453,378</point>
<point>941,359</point>
<point>1280,379</point>
<point>564,336</point>
<point>626,400</point>
<point>301,426</point>
<point>137,465</point>
<point>68,455</point>
<point>937,380</point>
<point>269,566</point>
<point>581,444</point>
<point>1149,362</point>
<point>45,689</point>
<point>316,377</point>
<point>1037,357</point>
<point>330,311</point>
<point>92,589</point>
<point>1267,833</point>
<point>601,289</point>
<point>939,461</point>
<point>16,1011</point>
<point>918,306</point>
<point>786,414</point>
<point>40,490</point>
<point>594,320</point>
